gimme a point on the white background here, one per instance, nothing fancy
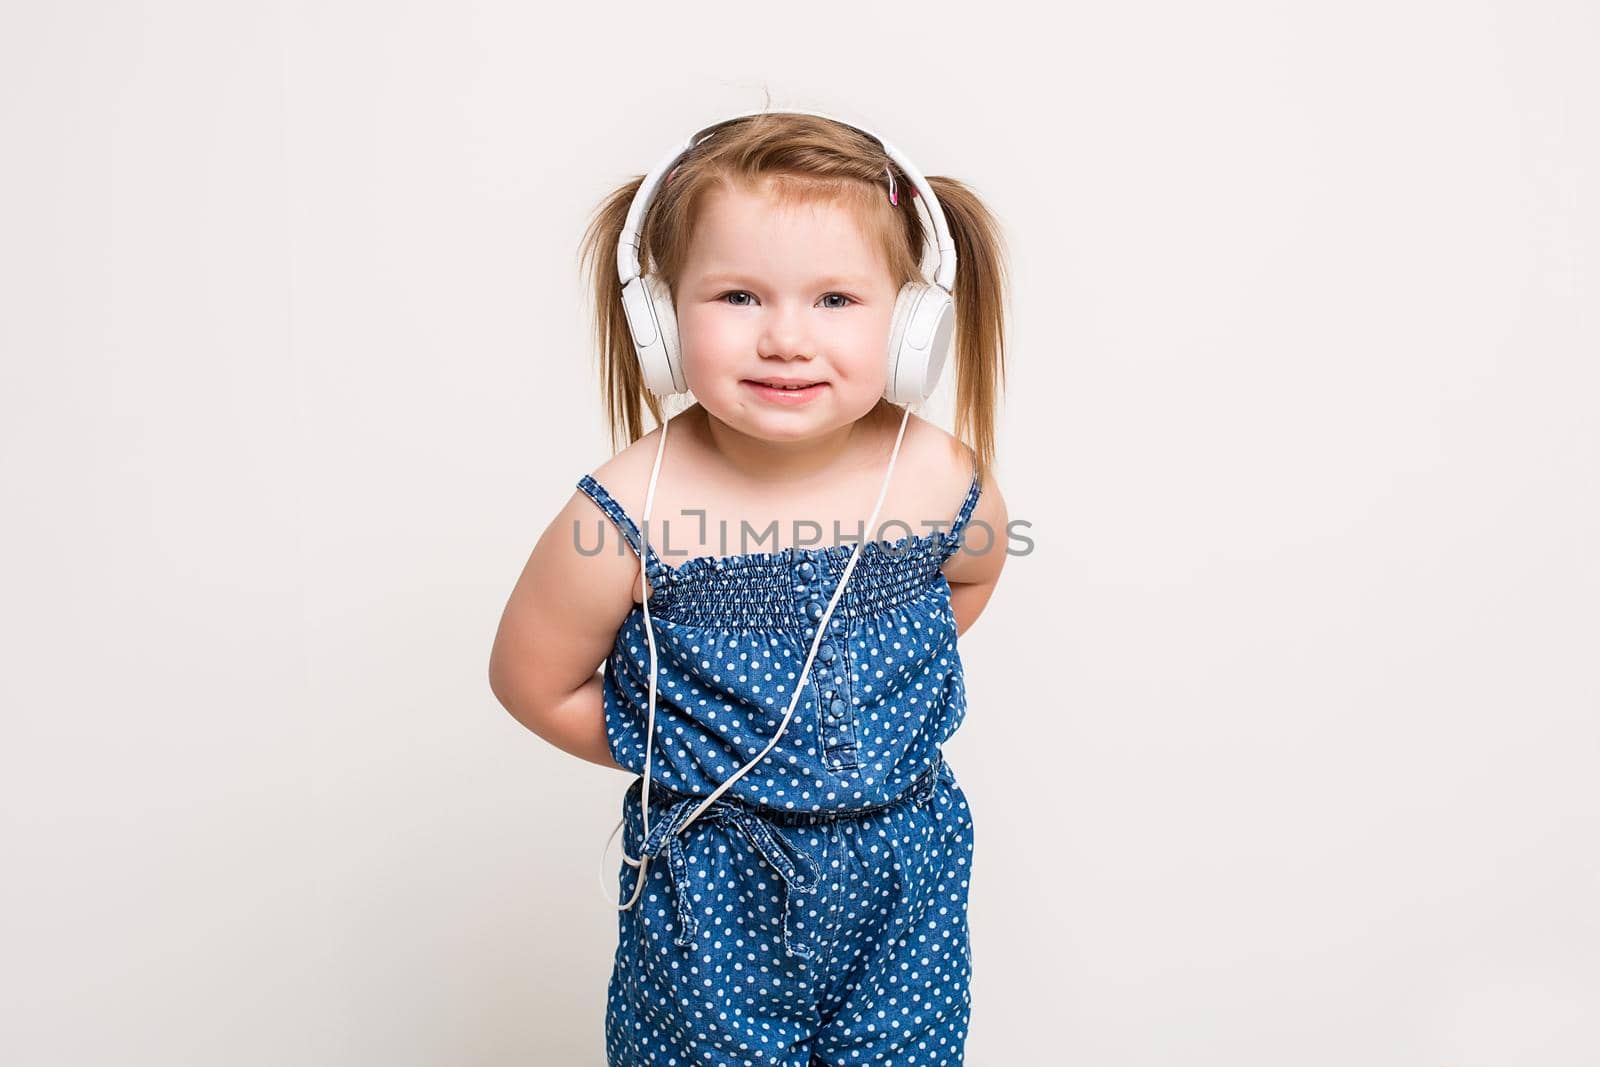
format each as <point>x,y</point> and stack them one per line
<point>1281,744</point>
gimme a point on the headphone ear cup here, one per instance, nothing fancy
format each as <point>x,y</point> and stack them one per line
<point>919,339</point>
<point>661,361</point>
<point>904,302</point>
<point>667,319</point>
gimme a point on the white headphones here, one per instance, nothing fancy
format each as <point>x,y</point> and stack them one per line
<point>919,340</point>
<point>924,314</point>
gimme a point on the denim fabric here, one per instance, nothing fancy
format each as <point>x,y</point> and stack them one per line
<point>816,913</point>
<point>884,692</point>
<point>795,939</point>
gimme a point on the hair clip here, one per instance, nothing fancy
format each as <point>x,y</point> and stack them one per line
<point>670,173</point>
<point>894,196</point>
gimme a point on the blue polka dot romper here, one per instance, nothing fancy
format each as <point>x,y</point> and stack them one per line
<point>816,912</point>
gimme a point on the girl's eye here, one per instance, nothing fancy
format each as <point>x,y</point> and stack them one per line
<point>834,307</point>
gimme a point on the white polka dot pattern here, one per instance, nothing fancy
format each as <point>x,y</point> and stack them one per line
<point>816,912</point>
<point>724,962</point>
<point>885,690</point>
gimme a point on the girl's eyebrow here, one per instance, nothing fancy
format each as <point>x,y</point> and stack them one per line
<point>844,280</point>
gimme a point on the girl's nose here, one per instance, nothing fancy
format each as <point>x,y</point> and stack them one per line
<point>784,335</point>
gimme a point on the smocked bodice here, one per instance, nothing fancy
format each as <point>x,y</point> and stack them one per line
<point>884,691</point>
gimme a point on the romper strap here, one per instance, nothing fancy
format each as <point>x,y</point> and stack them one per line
<point>613,511</point>
<point>952,537</point>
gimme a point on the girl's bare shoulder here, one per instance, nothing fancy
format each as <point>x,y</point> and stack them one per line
<point>626,475</point>
<point>577,587</point>
<point>947,467</point>
<point>940,464</point>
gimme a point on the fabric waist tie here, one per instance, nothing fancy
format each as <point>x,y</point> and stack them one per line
<point>794,866</point>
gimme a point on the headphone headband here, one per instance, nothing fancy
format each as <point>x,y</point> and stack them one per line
<point>628,241</point>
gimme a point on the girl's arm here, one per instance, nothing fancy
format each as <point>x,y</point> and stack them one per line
<point>558,627</point>
<point>974,570</point>
<point>576,723</point>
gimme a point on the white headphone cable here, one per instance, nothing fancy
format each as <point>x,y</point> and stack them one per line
<point>643,862</point>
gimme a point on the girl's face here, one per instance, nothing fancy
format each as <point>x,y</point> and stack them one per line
<point>783,292</point>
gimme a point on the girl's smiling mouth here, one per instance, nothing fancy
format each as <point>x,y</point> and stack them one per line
<point>788,391</point>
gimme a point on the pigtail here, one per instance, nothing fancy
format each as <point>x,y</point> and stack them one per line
<point>981,295</point>
<point>622,386</point>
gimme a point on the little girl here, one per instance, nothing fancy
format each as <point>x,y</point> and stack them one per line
<point>796,851</point>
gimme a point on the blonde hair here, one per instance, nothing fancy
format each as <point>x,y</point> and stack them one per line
<point>803,159</point>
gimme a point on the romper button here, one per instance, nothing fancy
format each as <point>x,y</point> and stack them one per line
<point>837,707</point>
<point>807,571</point>
<point>826,653</point>
<point>815,609</point>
